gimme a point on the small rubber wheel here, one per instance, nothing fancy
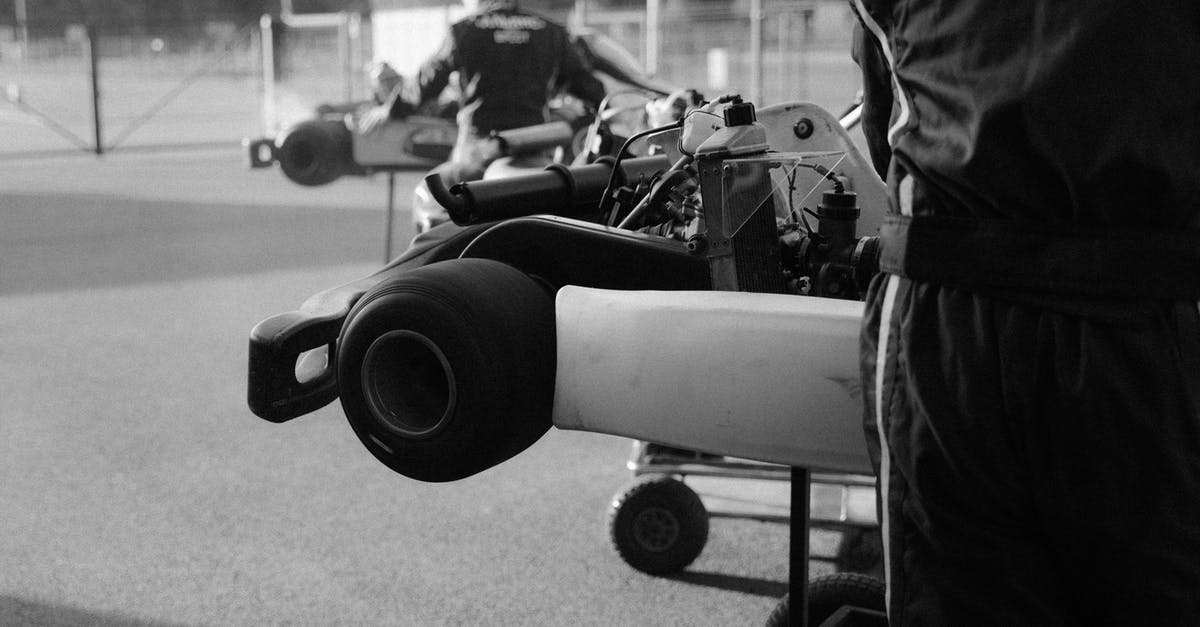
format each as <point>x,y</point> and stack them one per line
<point>829,593</point>
<point>658,525</point>
<point>448,370</point>
<point>315,152</point>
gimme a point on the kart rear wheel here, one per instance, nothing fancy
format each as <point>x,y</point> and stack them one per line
<point>315,152</point>
<point>829,593</point>
<point>448,370</point>
<point>658,525</point>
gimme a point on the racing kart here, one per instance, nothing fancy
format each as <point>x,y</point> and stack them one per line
<point>722,282</point>
<point>319,150</point>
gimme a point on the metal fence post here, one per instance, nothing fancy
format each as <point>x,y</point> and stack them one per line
<point>653,37</point>
<point>94,65</point>
<point>783,52</point>
<point>22,18</point>
<point>343,46</point>
<point>354,54</point>
<point>580,14</point>
<point>266,43</point>
<point>756,51</point>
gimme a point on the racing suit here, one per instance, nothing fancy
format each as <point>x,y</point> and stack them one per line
<point>509,64</point>
<point>1031,352</point>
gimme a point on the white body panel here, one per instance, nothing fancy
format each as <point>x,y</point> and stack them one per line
<point>766,377</point>
<point>391,144</point>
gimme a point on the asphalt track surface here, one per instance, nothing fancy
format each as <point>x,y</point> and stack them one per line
<point>137,489</point>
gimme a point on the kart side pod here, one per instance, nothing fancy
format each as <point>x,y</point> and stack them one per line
<point>768,377</point>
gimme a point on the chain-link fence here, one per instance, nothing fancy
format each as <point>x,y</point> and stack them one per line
<point>802,53</point>
<point>168,86</point>
<point>84,87</point>
<point>315,59</point>
<point>214,84</point>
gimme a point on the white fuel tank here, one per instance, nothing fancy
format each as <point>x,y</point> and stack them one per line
<point>765,377</point>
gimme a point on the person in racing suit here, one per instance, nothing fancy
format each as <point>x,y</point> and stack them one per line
<point>509,64</point>
<point>1031,351</point>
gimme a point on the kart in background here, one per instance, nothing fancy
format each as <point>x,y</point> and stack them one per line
<point>320,150</point>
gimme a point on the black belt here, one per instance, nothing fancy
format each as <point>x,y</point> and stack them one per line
<point>981,254</point>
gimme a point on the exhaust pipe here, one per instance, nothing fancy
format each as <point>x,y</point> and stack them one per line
<point>568,192</point>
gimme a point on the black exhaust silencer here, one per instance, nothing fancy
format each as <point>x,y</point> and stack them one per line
<point>568,192</point>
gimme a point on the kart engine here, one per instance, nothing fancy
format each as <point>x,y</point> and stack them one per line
<point>734,202</point>
<point>730,199</point>
<point>754,241</point>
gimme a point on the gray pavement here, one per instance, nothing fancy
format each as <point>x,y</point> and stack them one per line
<point>137,488</point>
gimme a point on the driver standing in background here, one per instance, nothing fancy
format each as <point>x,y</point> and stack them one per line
<point>1031,350</point>
<point>509,63</point>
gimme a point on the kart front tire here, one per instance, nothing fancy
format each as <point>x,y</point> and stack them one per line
<point>448,370</point>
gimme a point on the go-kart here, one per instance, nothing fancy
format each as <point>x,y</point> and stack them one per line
<point>320,150</point>
<point>723,285</point>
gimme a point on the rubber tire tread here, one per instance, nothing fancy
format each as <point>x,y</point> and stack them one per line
<point>829,593</point>
<point>328,141</point>
<point>676,497</point>
<point>495,324</point>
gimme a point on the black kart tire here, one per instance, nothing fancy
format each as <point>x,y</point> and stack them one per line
<point>448,369</point>
<point>829,593</point>
<point>316,152</point>
<point>658,525</point>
